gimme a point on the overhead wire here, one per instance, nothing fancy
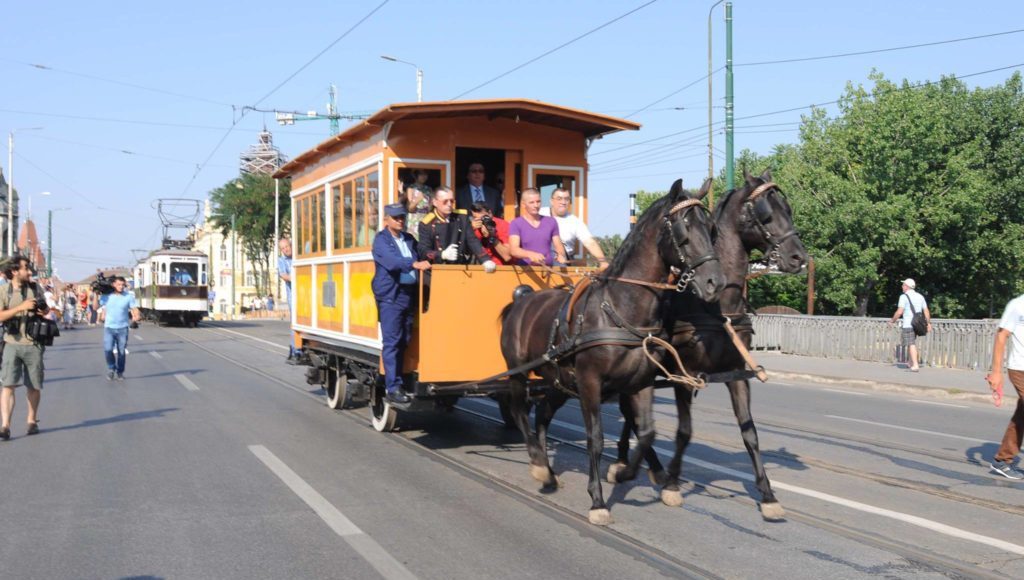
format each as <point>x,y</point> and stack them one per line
<point>553,50</point>
<point>673,93</point>
<point>118,150</point>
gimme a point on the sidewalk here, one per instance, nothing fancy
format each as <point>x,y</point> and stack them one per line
<point>936,382</point>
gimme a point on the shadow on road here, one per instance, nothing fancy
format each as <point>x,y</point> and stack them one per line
<point>138,415</point>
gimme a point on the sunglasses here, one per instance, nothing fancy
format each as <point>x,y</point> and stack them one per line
<point>446,201</point>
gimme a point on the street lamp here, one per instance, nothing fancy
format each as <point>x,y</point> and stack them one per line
<point>419,76</point>
<point>711,152</point>
<point>10,186</point>
<point>49,238</point>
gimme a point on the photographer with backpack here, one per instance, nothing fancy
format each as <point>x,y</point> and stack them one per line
<point>916,319</point>
<point>21,304</point>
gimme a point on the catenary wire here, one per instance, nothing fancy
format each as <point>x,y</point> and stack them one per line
<point>553,50</point>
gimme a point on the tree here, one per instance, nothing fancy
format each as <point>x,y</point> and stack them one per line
<point>609,244</point>
<point>250,200</point>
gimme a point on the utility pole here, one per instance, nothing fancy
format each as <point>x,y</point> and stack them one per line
<point>730,160</point>
<point>234,236</point>
<point>49,240</point>
<point>277,235</point>
<point>711,141</point>
<point>10,187</point>
<point>632,210</point>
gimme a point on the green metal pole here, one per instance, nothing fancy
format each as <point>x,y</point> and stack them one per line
<point>730,160</point>
<point>49,244</point>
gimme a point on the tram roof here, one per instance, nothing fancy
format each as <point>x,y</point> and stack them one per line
<point>177,252</point>
<point>538,112</point>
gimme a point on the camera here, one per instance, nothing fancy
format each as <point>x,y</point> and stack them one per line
<point>102,284</point>
<point>42,330</point>
<point>488,222</point>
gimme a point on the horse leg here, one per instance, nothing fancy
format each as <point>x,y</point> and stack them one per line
<point>544,414</point>
<point>739,392</point>
<point>519,410</point>
<point>590,404</point>
<point>642,403</point>
<point>671,495</point>
<point>656,472</point>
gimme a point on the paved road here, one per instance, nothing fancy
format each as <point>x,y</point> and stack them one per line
<point>215,459</point>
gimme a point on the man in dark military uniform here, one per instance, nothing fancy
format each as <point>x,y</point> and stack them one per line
<point>446,235</point>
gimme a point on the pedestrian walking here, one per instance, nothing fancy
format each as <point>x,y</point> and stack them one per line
<point>1011,329</point>
<point>911,303</point>
<point>23,356</point>
<point>117,310</point>
<point>284,272</point>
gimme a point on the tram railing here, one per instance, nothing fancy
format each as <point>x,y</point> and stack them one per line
<point>963,344</point>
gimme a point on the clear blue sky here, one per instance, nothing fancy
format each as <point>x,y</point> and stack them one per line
<point>235,52</point>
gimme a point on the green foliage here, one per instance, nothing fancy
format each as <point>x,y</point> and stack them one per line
<point>907,181</point>
<point>644,199</point>
<point>609,244</point>
<point>250,200</point>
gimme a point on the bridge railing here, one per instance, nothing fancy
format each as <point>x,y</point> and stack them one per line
<point>963,344</point>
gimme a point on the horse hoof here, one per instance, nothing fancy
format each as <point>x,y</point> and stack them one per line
<point>540,473</point>
<point>656,477</point>
<point>672,497</point>
<point>601,517</point>
<point>773,511</point>
<point>613,472</point>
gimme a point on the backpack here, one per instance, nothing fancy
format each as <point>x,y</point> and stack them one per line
<point>917,322</point>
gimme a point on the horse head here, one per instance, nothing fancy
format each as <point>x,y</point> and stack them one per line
<point>766,221</point>
<point>687,244</point>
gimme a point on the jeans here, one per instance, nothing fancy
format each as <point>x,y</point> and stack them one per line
<point>115,338</point>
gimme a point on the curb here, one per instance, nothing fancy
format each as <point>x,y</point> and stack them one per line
<point>950,393</point>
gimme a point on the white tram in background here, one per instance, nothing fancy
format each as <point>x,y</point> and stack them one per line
<point>171,285</point>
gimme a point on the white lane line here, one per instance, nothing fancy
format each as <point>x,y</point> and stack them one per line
<point>186,382</point>
<point>136,337</point>
<point>856,505</point>
<point>156,354</point>
<point>366,546</point>
<point>939,404</point>
<point>242,334</point>
<point>780,384</point>
<point>847,392</point>
<point>901,428</point>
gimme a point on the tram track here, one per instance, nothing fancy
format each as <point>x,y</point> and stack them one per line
<point>659,560</point>
<point>662,561</point>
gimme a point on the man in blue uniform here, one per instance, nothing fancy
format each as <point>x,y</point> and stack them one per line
<point>395,277</point>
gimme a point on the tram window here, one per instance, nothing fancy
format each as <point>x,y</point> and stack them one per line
<point>372,212</point>
<point>339,217</point>
<point>321,223</point>
<point>184,273</point>
<point>163,273</point>
<point>359,211</point>
<point>548,183</point>
<point>424,178</point>
<point>303,225</point>
<point>347,223</point>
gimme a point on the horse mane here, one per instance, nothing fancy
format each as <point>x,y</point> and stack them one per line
<point>649,217</point>
<point>724,201</point>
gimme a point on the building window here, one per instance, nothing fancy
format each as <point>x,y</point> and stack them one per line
<point>223,253</point>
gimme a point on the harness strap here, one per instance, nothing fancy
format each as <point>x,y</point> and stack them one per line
<point>683,377</point>
<point>760,374</point>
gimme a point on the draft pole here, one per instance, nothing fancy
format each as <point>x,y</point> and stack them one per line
<point>730,160</point>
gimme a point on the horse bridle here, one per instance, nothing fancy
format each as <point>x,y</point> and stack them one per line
<point>774,243</point>
<point>689,270</point>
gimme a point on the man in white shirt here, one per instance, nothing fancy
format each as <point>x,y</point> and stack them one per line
<point>911,302</point>
<point>1011,326</point>
<point>572,228</point>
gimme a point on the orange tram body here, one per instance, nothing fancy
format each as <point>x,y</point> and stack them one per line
<point>339,189</point>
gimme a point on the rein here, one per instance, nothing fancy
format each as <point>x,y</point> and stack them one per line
<point>775,243</point>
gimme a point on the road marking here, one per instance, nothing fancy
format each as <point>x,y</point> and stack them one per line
<point>940,404</point>
<point>366,546</point>
<point>273,344</point>
<point>925,431</point>
<point>156,354</point>
<point>137,337</point>
<point>186,382</point>
<point>847,392</point>
<point>856,505</point>
<point>780,384</point>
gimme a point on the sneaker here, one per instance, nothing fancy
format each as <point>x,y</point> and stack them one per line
<point>5,433</point>
<point>1006,470</point>
<point>119,377</point>
<point>110,375</point>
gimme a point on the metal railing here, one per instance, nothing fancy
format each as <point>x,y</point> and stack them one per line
<point>962,344</point>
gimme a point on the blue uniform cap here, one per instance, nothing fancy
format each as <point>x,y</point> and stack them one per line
<point>395,210</point>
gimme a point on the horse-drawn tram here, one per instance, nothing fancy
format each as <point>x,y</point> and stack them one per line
<point>339,190</point>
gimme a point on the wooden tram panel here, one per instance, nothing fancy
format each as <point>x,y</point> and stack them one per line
<point>338,192</point>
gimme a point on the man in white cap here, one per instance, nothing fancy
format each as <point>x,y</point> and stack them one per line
<point>911,302</point>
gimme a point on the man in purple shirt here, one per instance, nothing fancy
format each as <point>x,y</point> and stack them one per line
<point>532,235</point>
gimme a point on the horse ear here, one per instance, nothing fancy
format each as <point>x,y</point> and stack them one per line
<point>705,188</point>
<point>746,176</point>
<point>767,175</point>
<point>676,189</point>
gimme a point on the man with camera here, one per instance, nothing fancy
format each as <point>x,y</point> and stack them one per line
<point>22,308</point>
<point>492,233</point>
<point>117,310</point>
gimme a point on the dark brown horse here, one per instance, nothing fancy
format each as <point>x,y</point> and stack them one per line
<point>595,346</point>
<point>754,217</point>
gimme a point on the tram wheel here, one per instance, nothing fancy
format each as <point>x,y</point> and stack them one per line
<point>336,389</point>
<point>383,416</point>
